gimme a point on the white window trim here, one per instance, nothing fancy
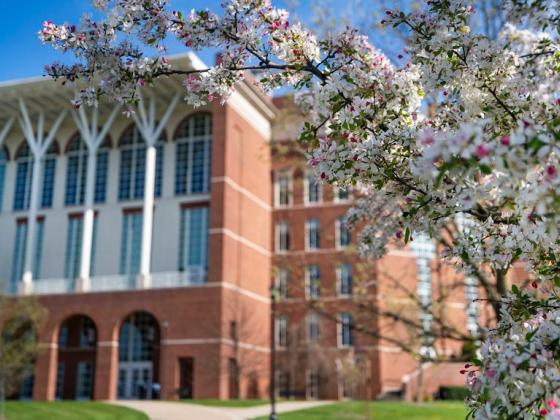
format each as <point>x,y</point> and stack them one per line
<point>308,234</point>
<point>312,316</point>
<point>279,320</point>
<point>339,334</point>
<point>339,281</point>
<point>337,199</point>
<point>277,176</point>
<point>277,235</point>
<point>277,282</point>
<point>308,283</point>
<point>306,201</point>
<point>308,374</point>
<point>338,226</point>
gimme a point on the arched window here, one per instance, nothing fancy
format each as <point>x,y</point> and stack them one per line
<point>193,155</point>
<point>24,175</point>
<point>76,172</point>
<point>3,161</point>
<point>133,164</point>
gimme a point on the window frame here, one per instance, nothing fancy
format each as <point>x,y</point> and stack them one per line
<point>308,177</point>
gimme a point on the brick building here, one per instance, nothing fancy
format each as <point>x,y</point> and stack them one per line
<point>153,243</point>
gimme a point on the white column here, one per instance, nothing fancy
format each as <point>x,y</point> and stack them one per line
<point>93,139</point>
<point>27,279</point>
<point>148,216</point>
<point>39,146</point>
<point>83,283</point>
<point>150,130</point>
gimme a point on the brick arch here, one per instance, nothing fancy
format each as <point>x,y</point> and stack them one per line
<point>188,117</point>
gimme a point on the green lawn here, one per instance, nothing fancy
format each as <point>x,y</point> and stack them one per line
<point>381,410</point>
<point>70,410</point>
<point>228,403</point>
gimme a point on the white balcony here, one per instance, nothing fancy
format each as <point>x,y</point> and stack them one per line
<point>53,286</point>
<point>168,279</point>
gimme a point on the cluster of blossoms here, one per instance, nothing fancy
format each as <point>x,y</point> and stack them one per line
<point>467,127</point>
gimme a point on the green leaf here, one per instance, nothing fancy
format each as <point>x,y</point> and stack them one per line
<point>406,235</point>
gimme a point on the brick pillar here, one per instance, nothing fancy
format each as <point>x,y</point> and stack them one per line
<point>167,373</point>
<point>45,373</point>
<point>106,370</point>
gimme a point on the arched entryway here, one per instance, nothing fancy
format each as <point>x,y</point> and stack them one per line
<point>77,349</point>
<point>139,338</point>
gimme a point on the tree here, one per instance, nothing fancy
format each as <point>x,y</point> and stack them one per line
<point>20,320</point>
<point>488,152</point>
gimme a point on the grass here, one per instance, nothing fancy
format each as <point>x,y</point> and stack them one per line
<point>380,410</point>
<point>69,410</point>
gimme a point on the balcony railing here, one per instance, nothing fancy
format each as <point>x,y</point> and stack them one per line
<point>53,286</point>
<point>187,278</point>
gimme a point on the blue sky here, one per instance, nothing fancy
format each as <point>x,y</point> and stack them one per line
<point>22,53</point>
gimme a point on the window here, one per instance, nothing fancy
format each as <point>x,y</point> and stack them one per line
<point>20,249</point>
<point>343,237</point>
<point>131,242</point>
<point>74,247</point>
<point>282,236</point>
<point>88,334</point>
<point>84,383</point>
<point>281,332</point>
<point>193,243</point>
<point>313,320</point>
<point>3,162</point>
<point>312,234</point>
<point>283,189</point>
<point>133,165</point>
<point>471,296</point>
<point>59,381</point>
<point>424,249</point>
<point>312,281</point>
<point>193,155</point>
<point>345,336</point>
<point>341,194</point>
<point>282,281</point>
<point>76,172</point>
<point>312,189</point>
<point>233,330</point>
<point>24,175</point>
<point>27,384</point>
<point>312,384</point>
<point>344,274</point>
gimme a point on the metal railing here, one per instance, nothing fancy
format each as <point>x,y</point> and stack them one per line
<point>168,279</point>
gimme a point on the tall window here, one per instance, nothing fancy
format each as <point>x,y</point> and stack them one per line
<point>282,282</point>
<point>19,252</point>
<point>312,281</point>
<point>424,249</point>
<point>133,166</point>
<point>344,274</point>
<point>76,172</point>
<point>312,320</point>
<point>193,155</point>
<point>24,175</point>
<point>282,236</point>
<point>74,247</point>
<point>312,384</point>
<point>312,231</point>
<point>465,224</point>
<point>345,336</point>
<point>281,331</point>
<point>193,243</point>
<point>131,242</point>
<point>84,382</point>
<point>3,162</point>
<point>282,188</point>
<point>343,236</point>
<point>312,189</point>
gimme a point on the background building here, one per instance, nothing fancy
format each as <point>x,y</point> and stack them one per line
<point>153,242</point>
